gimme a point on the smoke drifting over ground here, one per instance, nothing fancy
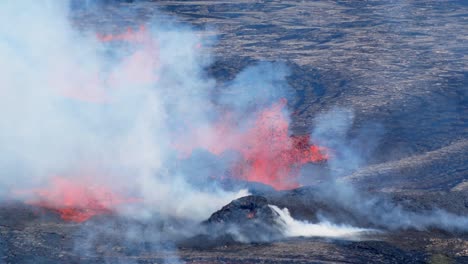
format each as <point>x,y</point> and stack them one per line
<point>100,116</point>
<point>350,152</point>
<point>129,123</point>
<point>96,122</point>
<point>296,228</point>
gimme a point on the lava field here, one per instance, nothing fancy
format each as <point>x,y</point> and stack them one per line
<point>154,131</point>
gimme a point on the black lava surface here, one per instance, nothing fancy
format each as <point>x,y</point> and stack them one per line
<point>249,218</point>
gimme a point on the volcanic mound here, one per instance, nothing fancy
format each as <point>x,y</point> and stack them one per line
<point>247,219</point>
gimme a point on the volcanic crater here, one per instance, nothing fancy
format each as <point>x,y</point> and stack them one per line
<point>395,74</point>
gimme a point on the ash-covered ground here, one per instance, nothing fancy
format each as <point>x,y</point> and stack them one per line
<point>400,66</point>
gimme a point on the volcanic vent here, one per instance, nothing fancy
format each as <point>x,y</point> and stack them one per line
<point>112,121</point>
<point>249,218</point>
<point>113,103</point>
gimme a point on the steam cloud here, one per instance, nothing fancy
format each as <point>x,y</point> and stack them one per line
<point>297,228</point>
<point>101,115</point>
<point>332,130</point>
<point>75,107</point>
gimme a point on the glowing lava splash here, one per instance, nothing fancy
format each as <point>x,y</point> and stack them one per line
<point>269,154</point>
<point>76,200</point>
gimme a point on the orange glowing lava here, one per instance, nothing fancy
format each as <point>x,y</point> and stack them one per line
<point>76,200</point>
<point>269,154</point>
<point>141,35</point>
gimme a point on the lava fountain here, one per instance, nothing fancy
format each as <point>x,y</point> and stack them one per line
<point>267,152</point>
<point>269,155</point>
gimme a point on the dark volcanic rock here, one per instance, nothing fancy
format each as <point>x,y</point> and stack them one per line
<point>244,210</point>
<point>245,219</point>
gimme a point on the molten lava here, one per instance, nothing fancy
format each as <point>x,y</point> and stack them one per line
<point>269,154</point>
<point>141,35</point>
<point>76,200</point>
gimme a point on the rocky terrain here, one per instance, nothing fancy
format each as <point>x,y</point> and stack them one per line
<point>34,235</point>
<point>401,66</point>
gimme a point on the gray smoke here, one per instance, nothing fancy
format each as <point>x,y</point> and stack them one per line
<point>109,116</point>
<point>70,110</point>
<point>120,116</point>
<point>349,153</point>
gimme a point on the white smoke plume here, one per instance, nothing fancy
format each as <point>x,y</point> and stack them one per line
<point>332,130</point>
<point>70,110</point>
<point>296,228</point>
